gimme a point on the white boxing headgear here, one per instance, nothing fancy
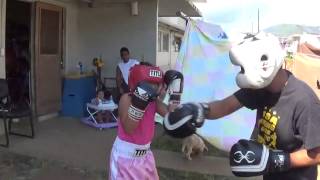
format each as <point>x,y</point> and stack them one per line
<point>260,57</point>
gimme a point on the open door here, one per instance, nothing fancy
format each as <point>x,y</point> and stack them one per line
<point>48,55</point>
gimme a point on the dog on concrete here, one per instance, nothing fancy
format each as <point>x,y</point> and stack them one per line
<point>193,145</point>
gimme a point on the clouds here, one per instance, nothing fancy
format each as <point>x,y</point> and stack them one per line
<point>292,12</point>
<point>236,16</point>
<point>218,10</point>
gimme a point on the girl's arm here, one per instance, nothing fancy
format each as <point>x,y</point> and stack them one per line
<point>162,108</point>
<point>132,108</point>
<point>128,124</point>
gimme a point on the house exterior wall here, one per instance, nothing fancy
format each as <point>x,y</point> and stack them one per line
<point>71,35</point>
<point>167,60</point>
<point>71,8</point>
<point>91,32</point>
<point>104,30</point>
<point>101,30</point>
<point>163,58</point>
<point>71,30</point>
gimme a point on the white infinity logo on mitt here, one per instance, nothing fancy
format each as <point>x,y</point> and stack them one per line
<point>244,156</point>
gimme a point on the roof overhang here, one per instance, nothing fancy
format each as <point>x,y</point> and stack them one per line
<point>169,8</point>
<point>174,22</point>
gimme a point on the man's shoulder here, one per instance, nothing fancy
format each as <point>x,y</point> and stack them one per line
<point>303,92</point>
<point>299,85</point>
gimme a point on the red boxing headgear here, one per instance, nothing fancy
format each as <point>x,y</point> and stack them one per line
<point>140,73</point>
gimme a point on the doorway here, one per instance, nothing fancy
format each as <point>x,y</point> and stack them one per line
<point>34,36</point>
<point>48,58</point>
<point>18,52</point>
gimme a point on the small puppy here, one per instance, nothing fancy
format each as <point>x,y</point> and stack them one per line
<point>193,145</point>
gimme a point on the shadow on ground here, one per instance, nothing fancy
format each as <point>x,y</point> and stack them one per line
<point>20,167</point>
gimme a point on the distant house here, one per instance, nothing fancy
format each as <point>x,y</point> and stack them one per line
<point>170,34</point>
<point>292,42</point>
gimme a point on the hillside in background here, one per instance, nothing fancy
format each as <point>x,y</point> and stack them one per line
<point>285,30</point>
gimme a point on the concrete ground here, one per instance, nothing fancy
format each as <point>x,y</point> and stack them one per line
<point>64,148</point>
<point>21,167</point>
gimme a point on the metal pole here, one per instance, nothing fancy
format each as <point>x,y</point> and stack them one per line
<point>252,27</point>
<point>258,21</point>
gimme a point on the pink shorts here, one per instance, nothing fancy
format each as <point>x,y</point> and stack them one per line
<point>132,162</point>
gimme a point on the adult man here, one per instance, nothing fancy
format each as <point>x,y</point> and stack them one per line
<point>123,68</point>
<point>287,145</point>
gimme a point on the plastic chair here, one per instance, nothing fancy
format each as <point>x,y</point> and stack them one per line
<point>8,113</point>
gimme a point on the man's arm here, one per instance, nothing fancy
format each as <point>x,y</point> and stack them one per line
<point>184,121</point>
<point>247,155</point>
<point>119,80</point>
<point>242,97</point>
<point>221,108</point>
<point>303,158</point>
<point>307,124</point>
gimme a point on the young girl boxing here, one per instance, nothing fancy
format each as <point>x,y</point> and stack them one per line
<point>131,157</point>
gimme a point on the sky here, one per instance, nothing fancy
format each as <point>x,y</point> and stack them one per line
<point>239,16</point>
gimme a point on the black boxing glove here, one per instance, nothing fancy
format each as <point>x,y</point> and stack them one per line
<point>174,81</point>
<point>185,119</point>
<point>143,94</point>
<point>249,158</point>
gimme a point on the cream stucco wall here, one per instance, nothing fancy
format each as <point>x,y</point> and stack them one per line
<point>103,30</point>
<point>71,29</point>
<point>71,44</point>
